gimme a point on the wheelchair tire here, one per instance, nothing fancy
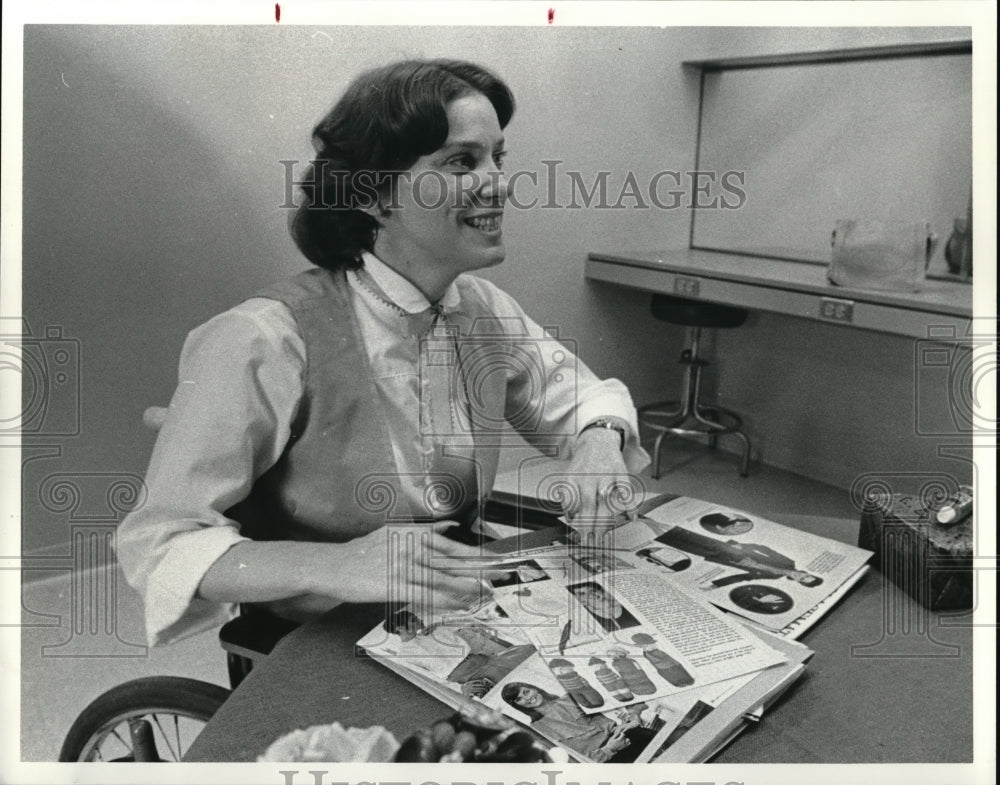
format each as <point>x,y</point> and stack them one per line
<point>150,719</point>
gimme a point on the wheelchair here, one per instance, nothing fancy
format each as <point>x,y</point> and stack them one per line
<point>156,718</point>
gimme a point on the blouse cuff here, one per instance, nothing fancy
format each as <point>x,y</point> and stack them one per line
<point>173,609</point>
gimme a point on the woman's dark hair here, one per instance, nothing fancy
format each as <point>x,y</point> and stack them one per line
<point>387,119</point>
<point>509,694</point>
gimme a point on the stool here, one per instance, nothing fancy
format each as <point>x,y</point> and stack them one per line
<point>690,416</point>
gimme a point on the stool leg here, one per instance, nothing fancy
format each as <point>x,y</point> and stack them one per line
<point>692,377</point>
<point>745,461</point>
<point>702,413</point>
<point>656,455</point>
<point>695,340</point>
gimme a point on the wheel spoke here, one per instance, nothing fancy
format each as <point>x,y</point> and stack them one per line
<point>177,732</point>
<point>124,743</point>
<point>135,713</point>
<point>96,753</point>
<point>166,739</point>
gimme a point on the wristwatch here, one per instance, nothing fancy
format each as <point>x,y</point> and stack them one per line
<point>606,422</point>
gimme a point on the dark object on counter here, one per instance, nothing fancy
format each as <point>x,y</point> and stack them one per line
<point>930,562</point>
<point>958,249</point>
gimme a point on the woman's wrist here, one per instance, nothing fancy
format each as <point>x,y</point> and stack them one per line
<point>606,428</point>
<point>600,439</point>
<point>322,570</point>
<point>253,571</point>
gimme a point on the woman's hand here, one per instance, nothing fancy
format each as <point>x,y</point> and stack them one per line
<point>412,564</point>
<point>604,489</point>
<point>404,564</point>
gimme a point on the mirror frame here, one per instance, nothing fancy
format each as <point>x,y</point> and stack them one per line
<point>897,51</point>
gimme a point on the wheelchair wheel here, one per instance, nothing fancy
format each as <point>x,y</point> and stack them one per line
<point>150,719</point>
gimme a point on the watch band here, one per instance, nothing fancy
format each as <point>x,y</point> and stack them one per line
<point>604,422</point>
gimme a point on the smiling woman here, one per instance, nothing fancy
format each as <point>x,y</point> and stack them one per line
<point>596,736</point>
<point>412,106</point>
<point>447,208</point>
<point>373,389</point>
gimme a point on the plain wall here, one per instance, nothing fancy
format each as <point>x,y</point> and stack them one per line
<point>153,193</point>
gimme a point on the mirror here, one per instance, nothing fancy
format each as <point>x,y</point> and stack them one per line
<point>884,137</point>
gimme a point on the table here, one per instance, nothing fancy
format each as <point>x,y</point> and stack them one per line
<point>793,288</point>
<point>890,682</point>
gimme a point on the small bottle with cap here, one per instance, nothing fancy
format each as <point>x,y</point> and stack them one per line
<point>956,507</point>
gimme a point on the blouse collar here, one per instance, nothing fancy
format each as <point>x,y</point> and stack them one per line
<point>401,292</point>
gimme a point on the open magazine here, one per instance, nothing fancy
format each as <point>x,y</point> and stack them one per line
<point>620,653</point>
<point>618,633</point>
<point>780,578</point>
<point>775,576</point>
<point>480,657</point>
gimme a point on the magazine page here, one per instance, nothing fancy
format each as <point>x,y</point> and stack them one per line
<point>485,656</point>
<point>801,624</point>
<point>444,662</point>
<point>467,653</point>
<point>614,634</point>
<point>711,721</point>
<point>620,736</point>
<point>650,729</point>
<point>534,696</point>
<point>759,569</point>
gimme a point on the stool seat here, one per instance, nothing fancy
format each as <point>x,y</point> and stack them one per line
<point>690,416</point>
<point>695,313</point>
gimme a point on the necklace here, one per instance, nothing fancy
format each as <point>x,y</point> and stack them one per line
<point>416,323</point>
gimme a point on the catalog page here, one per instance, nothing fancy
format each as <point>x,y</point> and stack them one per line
<point>684,726</point>
<point>614,633</point>
<point>766,572</point>
<point>596,650</point>
<point>465,653</point>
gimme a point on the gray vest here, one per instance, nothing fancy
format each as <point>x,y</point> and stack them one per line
<point>337,478</point>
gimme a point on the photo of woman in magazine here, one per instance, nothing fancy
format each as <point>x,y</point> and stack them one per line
<point>488,659</point>
<point>755,562</point>
<point>595,736</point>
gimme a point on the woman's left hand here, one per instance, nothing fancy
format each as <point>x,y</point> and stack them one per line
<point>604,489</point>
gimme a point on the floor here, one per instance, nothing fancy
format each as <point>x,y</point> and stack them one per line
<point>65,663</point>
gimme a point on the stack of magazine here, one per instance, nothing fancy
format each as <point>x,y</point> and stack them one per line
<point>659,643</point>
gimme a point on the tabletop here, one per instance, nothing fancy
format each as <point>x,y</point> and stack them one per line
<point>792,288</point>
<point>890,682</point>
